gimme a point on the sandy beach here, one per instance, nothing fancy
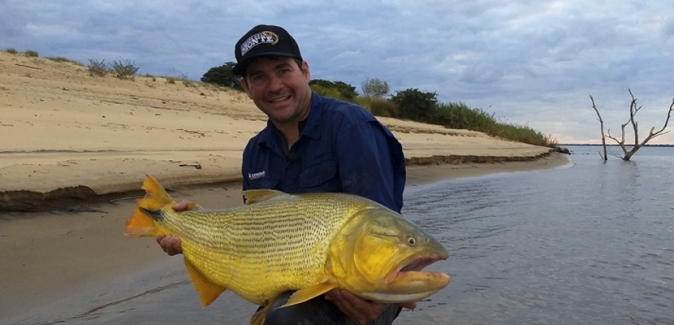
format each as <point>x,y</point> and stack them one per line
<point>74,150</point>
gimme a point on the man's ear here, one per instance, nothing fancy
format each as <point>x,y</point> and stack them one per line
<point>305,70</point>
<point>244,84</point>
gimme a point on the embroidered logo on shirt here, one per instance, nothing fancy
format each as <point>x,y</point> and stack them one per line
<point>252,176</point>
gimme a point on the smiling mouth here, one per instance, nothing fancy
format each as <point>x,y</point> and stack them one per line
<point>278,100</point>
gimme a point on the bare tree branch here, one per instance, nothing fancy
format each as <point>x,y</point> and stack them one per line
<point>601,125</point>
<point>634,109</point>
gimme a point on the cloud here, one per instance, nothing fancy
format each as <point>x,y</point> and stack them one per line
<point>527,61</point>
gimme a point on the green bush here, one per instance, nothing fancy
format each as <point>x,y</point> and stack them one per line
<point>328,92</point>
<point>97,68</point>
<point>383,107</point>
<point>346,91</point>
<point>31,54</point>
<point>460,116</point>
<point>124,70</point>
<point>375,88</point>
<point>222,76</point>
<point>11,51</point>
<point>416,105</point>
<point>58,59</point>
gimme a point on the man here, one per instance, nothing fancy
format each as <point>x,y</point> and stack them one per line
<point>312,144</point>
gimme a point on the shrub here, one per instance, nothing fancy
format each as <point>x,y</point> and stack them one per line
<point>416,105</point>
<point>375,88</point>
<point>11,51</point>
<point>97,68</point>
<point>124,70</point>
<point>346,91</point>
<point>171,80</point>
<point>328,92</point>
<point>58,59</point>
<point>222,76</point>
<point>31,54</point>
<point>383,107</point>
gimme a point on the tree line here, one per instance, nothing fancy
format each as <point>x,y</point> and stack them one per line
<point>411,104</point>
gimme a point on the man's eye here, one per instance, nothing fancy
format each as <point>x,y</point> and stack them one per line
<point>256,78</point>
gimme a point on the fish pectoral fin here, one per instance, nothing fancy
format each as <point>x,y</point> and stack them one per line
<point>259,317</point>
<point>308,293</point>
<point>256,196</point>
<point>208,291</point>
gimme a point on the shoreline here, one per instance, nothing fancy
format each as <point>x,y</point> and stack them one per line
<point>53,255</point>
<point>23,198</point>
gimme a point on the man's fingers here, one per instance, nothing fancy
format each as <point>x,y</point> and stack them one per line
<point>408,305</point>
<point>181,206</point>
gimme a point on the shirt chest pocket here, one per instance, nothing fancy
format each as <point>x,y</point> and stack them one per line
<point>320,177</point>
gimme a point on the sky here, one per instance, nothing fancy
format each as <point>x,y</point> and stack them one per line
<point>527,62</point>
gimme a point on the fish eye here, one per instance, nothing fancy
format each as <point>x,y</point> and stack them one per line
<point>411,241</point>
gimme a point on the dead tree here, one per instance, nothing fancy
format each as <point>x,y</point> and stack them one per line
<point>631,121</point>
<point>601,125</point>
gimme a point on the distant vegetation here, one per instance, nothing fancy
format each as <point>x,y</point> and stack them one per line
<point>31,54</point>
<point>222,76</point>
<point>411,104</point>
<point>124,70</point>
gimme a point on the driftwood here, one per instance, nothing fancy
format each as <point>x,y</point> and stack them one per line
<point>634,109</point>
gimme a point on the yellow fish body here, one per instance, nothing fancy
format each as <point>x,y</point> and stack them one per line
<point>309,243</point>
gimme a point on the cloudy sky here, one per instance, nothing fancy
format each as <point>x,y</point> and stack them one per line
<point>529,62</point>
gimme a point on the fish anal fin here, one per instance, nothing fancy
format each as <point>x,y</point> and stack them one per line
<point>308,293</point>
<point>208,291</point>
<point>259,317</point>
<point>256,196</point>
<point>155,195</point>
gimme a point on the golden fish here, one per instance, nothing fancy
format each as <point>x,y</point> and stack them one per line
<point>308,243</point>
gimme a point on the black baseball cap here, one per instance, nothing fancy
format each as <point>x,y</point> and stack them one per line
<point>263,40</point>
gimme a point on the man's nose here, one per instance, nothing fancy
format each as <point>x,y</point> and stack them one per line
<point>274,84</point>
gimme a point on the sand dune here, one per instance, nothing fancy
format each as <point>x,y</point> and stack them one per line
<point>65,133</point>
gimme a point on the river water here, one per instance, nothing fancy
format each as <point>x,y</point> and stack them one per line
<point>590,243</point>
<point>587,243</point>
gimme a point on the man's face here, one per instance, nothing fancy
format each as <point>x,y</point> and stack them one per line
<point>279,88</point>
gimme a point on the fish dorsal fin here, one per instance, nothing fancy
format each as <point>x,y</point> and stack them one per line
<point>256,196</point>
<point>208,291</point>
<point>308,293</point>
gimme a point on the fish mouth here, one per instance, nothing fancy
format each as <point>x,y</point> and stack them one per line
<point>413,266</point>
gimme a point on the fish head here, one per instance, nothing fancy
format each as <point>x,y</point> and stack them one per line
<point>390,253</point>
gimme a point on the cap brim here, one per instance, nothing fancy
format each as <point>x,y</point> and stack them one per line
<point>240,68</point>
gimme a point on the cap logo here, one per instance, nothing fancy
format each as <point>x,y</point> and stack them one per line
<point>265,37</point>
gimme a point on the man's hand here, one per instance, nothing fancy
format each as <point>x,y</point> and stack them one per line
<point>358,309</point>
<point>171,244</point>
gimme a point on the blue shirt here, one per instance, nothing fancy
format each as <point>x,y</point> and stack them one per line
<point>342,148</point>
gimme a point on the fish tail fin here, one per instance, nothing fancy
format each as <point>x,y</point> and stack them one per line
<point>143,221</point>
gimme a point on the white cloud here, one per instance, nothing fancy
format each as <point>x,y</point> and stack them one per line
<point>527,61</point>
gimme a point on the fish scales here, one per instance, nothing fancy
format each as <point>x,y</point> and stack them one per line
<point>286,236</point>
<point>308,243</point>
